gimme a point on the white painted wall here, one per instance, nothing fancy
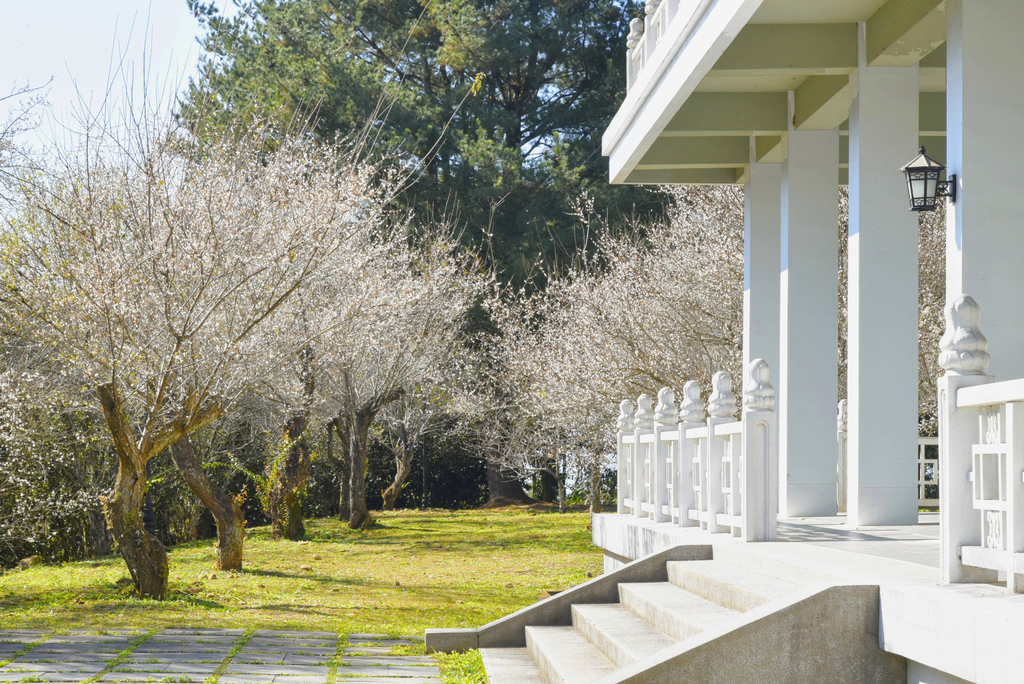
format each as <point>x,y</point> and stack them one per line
<point>809,324</point>
<point>882,298</point>
<point>985,148</point>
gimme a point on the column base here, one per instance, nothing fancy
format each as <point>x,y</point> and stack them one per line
<point>808,500</point>
<point>876,506</point>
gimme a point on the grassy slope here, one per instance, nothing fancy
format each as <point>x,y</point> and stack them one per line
<point>413,570</point>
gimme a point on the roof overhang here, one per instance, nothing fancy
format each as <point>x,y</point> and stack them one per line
<point>711,81</point>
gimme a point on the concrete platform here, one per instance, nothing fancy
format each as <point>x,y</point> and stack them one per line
<point>625,538</point>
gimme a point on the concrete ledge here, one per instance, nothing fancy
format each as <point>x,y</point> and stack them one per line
<point>510,631</point>
<point>818,635</point>
<point>456,640</point>
<point>970,631</point>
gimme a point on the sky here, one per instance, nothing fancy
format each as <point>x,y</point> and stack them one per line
<point>79,42</point>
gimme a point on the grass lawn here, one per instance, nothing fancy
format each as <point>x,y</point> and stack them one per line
<point>411,571</point>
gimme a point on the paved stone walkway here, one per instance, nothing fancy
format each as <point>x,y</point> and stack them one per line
<point>214,656</point>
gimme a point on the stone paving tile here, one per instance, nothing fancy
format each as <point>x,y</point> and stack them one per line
<point>380,642</point>
<point>247,679</point>
<point>368,650</point>
<point>381,672</point>
<point>300,635</point>
<point>389,680</point>
<point>192,655</point>
<point>387,661</point>
<point>242,668</point>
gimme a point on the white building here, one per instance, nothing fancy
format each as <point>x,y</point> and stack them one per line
<point>791,99</point>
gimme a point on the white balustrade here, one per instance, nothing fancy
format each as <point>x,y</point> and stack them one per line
<point>927,466</point>
<point>928,472</point>
<point>643,443</point>
<point>841,465</point>
<point>646,34</point>
<point>625,457</point>
<point>981,456</point>
<point>720,473</point>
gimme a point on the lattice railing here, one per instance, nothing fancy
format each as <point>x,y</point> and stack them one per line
<point>981,452</point>
<point>716,472</point>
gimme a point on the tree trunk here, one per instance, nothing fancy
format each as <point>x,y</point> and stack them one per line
<point>502,483</point>
<point>403,468</point>
<point>226,510</point>
<point>286,490</point>
<point>97,534</point>
<point>143,553</point>
<point>359,516</point>
<point>548,486</point>
<point>344,457</point>
<point>595,484</point>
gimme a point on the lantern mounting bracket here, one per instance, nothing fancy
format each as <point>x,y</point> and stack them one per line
<point>947,188</point>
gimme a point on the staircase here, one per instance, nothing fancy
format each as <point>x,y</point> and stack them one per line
<point>692,613</point>
<point>649,618</point>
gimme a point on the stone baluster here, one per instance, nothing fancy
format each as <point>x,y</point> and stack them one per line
<point>633,39</point>
<point>691,461</point>
<point>643,425</point>
<point>964,358</point>
<point>721,409</point>
<point>841,465</point>
<point>624,424</point>
<point>760,470</point>
<point>666,417</point>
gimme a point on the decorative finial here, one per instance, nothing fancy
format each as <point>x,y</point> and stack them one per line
<point>625,421</point>
<point>651,6</point>
<point>644,411</point>
<point>963,346</point>
<point>759,395</point>
<point>636,32</point>
<point>841,416</point>
<point>692,410</point>
<point>721,403</point>
<point>665,412</point>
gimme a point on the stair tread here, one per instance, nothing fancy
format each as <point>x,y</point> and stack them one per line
<point>689,614</point>
<point>731,585</point>
<point>624,636</point>
<point>510,666</point>
<point>572,659</point>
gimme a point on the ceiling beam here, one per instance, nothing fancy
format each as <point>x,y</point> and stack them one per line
<point>770,148</point>
<point>902,32</point>
<point>685,177</point>
<point>821,103</point>
<point>730,113</point>
<point>697,151</point>
<point>931,115</point>
<point>805,48</point>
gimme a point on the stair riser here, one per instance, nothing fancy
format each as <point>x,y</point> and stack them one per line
<point>713,589</point>
<point>668,622</point>
<point>597,637</point>
<point>540,657</point>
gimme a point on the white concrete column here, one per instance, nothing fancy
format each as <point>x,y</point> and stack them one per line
<point>762,197</point>
<point>809,324</point>
<point>882,297</point>
<point>984,147</point>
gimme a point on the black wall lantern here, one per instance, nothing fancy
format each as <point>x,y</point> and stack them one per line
<point>924,185</point>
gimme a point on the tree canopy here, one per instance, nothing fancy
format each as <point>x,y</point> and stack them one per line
<point>499,106</point>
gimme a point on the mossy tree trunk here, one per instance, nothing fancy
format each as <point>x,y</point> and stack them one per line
<point>227,511</point>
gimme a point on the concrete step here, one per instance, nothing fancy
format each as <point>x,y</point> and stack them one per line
<point>672,610</point>
<point>621,635</point>
<point>564,655</point>
<point>728,585</point>
<point>510,666</point>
